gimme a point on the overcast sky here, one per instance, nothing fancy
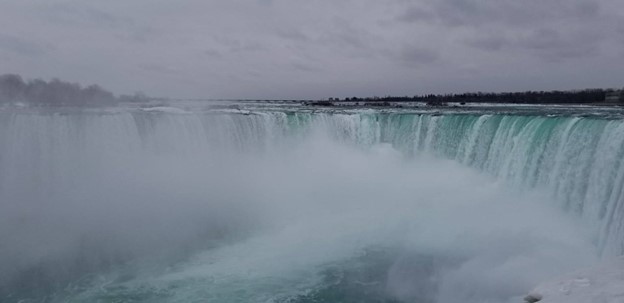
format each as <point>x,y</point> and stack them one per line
<point>315,48</point>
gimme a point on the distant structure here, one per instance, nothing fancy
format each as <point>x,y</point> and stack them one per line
<point>614,96</point>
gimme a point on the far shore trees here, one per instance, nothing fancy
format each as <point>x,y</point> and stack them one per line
<point>529,97</point>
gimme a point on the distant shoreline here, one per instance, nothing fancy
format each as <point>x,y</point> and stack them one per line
<point>603,97</point>
<point>401,104</point>
<point>589,97</point>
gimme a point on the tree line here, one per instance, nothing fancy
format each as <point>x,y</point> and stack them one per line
<point>14,89</point>
<point>527,97</point>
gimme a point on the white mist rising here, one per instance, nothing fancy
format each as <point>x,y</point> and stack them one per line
<point>329,203</point>
<point>86,194</point>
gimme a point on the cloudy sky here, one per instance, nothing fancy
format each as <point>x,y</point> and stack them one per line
<point>315,48</point>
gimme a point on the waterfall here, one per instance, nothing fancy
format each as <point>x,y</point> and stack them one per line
<point>579,159</point>
<point>64,158</point>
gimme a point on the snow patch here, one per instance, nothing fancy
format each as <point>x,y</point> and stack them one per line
<point>603,283</point>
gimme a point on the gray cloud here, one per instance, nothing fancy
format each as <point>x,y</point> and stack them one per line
<point>304,67</point>
<point>22,46</point>
<point>76,14</point>
<point>544,39</point>
<point>155,68</point>
<point>293,35</point>
<point>416,14</point>
<point>309,49</point>
<point>554,45</point>
<point>99,21</point>
<point>619,30</point>
<point>415,56</point>
<point>509,12</point>
<point>213,53</point>
<point>348,39</point>
<point>488,42</point>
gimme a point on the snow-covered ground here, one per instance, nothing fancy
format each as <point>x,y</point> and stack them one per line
<point>603,283</point>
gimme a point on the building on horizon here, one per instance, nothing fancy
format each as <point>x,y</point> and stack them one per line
<point>615,96</point>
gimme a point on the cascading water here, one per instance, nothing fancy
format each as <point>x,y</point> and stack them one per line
<point>292,205</point>
<point>578,159</point>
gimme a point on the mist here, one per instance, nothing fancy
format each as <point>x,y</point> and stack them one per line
<point>14,90</point>
<point>150,201</point>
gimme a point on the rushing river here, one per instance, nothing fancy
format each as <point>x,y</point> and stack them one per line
<point>278,202</point>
